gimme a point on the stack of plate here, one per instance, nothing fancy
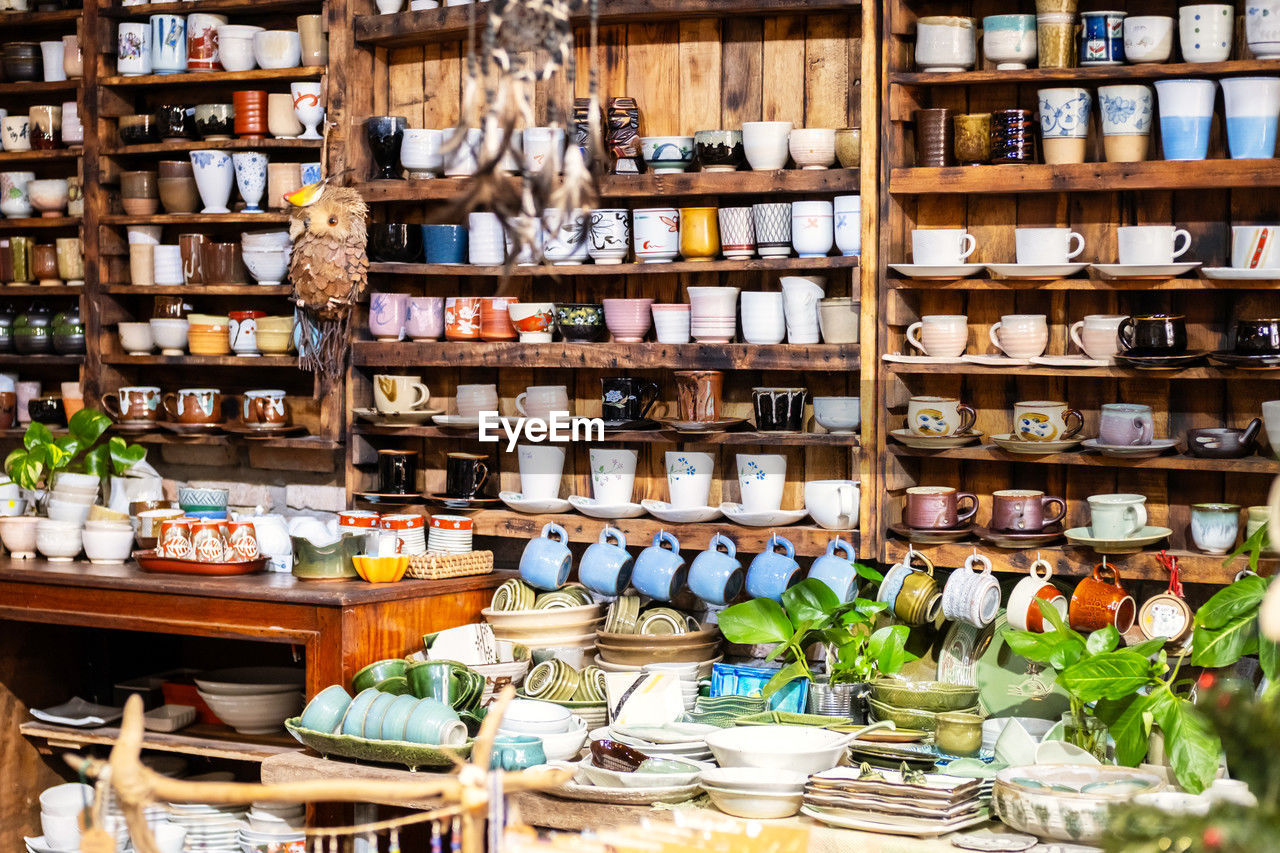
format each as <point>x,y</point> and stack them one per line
<point>277,839</point>
<point>677,740</point>
<point>622,615</point>
<point>639,649</point>
<point>570,595</point>
<point>724,711</point>
<point>210,829</point>
<point>410,530</point>
<point>704,666</point>
<point>927,805</point>
<point>275,817</point>
<point>558,627</point>
<point>514,594</point>
<point>686,673</point>
<point>450,534</point>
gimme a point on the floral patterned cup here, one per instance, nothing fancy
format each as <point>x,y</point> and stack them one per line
<point>613,475</point>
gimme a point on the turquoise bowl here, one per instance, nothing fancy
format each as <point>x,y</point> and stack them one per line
<point>433,722</point>
<point>325,711</point>
<point>373,719</point>
<point>353,720</point>
<point>516,752</point>
<point>393,722</point>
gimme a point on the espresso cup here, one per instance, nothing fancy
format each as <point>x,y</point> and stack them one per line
<point>541,401</point>
<point>939,416</point>
<point>133,404</point>
<point>1257,337</point>
<point>397,472</point>
<point>938,507</point>
<point>194,406</point>
<point>626,399</point>
<point>698,394</point>
<point>1097,335</point>
<point>1153,334</point>
<point>394,394</point>
<point>1046,246</point>
<point>940,335</point>
<point>1253,247</point>
<point>1044,420</point>
<point>1023,510</point>
<point>1126,424</point>
<point>1021,336</point>
<point>941,246</point>
<point>265,408</point>
<point>465,474</point>
<point>1151,245</point>
<point>1116,517</point>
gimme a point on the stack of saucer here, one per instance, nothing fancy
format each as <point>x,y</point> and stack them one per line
<point>210,829</point>
<point>409,529</point>
<point>450,534</point>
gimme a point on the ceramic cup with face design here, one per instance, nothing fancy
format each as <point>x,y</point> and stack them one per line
<point>194,406</point>
<point>1023,510</point>
<point>1045,420</point>
<point>939,416</point>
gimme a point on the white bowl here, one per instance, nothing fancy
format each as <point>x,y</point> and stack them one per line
<point>750,779</point>
<point>267,266</point>
<point>69,497</point>
<point>754,804</point>
<point>805,750</point>
<point>18,533</point>
<point>235,46</point>
<point>170,334</point>
<point>135,337</point>
<point>277,49</point>
<point>74,513</point>
<point>255,714</point>
<point>58,540</point>
<point>107,546</point>
<point>536,717</point>
<point>71,481</point>
<point>563,746</point>
<point>12,507</point>
<point>68,799</point>
<point>251,680</point>
<point>264,240</point>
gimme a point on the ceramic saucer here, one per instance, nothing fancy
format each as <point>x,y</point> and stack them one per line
<point>893,358</point>
<point>463,504</point>
<point>1034,272</point>
<point>1159,362</point>
<point>264,432</point>
<point>931,536</point>
<point>593,508</point>
<point>934,442</point>
<point>639,424</point>
<point>388,499</point>
<point>1146,536</point>
<point>993,841</point>
<point>189,429</point>
<point>930,272</point>
<point>1234,274</point>
<point>778,518</point>
<point>1014,541</point>
<point>136,426</point>
<point>1010,444</point>
<point>373,416</point>
<point>456,422</point>
<point>995,360</point>
<point>1079,360</point>
<point>520,503</point>
<point>1124,451</point>
<point>703,426</point>
<point>664,511</point>
<point>1245,362</point>
<point>1143,270</point>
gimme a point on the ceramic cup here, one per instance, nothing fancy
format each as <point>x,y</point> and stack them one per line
<point>133,404</point>
<point>763,319</point>
<point>1047,246</point>
<point>940,335</point>
<point>812,228</point>
<point>656,234</point>
<point>1116,517</point>
<point>1064,123</point>
<point>838,415</point>
<point>1252,108</point>
<point>472,400</point>
<point>689,478</point>
<point>1153,334</point>
<point>613,475</point>
<point>801,296</point>
<point>772,224</point>
<point>546,560</point>
<point>671,322</point>
<point>425,318</point>
<point>737,232</point>
<point>945,43</point>
<point>1125,424</point>
<point>775,570</point>
<point>1254,246</point>
<point>1126,112</point>
<point>833,504</point>
<point>1009,41</point>
<point>716,575</point>
<point>848,224</point>
<point>1262,28</point>
<point>194,406</point>
<point>1023,610</point>
<point>1148,38</point>
<point>938,507</point>
<point>610,235</point>
<point>660,571</point>
<point>972,593</point>
<point>1098,602</point>
<point>1024,510</point>
<point>1215,527</point>
<point>698,394</point>
<point>465,474</point>
<point>1205,32</point>
<point>1186,117</point>
<point>779,409</point>
<point>941,246</point>
<point>541,470</point>
<point>1045,420</point>
<point>1020,336</point>
<point>1097,335</point>
<point>766,143</point>
<point>939,416</point>
<point>761,480</point>
<point>1101,38</point>
<point>835,568</point>
<point>1152,245</point>
<point>543,401</point>
<point>606,566</point>
<point>919,599</point>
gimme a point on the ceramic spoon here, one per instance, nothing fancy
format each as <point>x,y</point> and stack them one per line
<point>883,725</point>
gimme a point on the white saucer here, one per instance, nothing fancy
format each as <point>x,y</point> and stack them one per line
<point>456,422</point>
<point>595,509</point>
<point>1141,451</point>
<point>933,442</point>
<point>520,503</point>
<point>992,360</point>
<point>1235,274</point>
<point>1143,270</point>
<point>921,359</point>
<point>930,272</point>
<point>1034,271</point>
<point>1079,360</point>
<point>1148,535</point>
<point>664,511</point>
<point>778,518</point>
<point>1007,442</point>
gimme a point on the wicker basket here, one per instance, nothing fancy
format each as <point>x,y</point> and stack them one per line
<point>434,566</point>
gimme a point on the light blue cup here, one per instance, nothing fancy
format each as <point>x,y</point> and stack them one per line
<point>546,560</point>
<point>771,573</point>
<point>516,752</point>
<point>837,571</point>
<point>433,722</point>
<point>606,566</point>
<point>325,710</point>
<point>660,573</point>
<point>1186,116</point>
<point>372,728</point>
<point>715,576</point>
<point>353,719</point>
<point>397,715</point>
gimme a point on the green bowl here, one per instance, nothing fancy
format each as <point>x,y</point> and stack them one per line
<point>935,696</point>
<point>378,671</point>
<point>909,718</point>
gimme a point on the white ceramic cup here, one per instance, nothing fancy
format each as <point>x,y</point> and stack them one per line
<point>393,394</point>
<point>761,480</point>
<point>541,470</point>
<point>671,323</point>
<point>833,504</point>
<point>763,317</point>
<point>1116,516</point>
<point>940,335</point>
<point>656,234</point>
<point>937,247</point>
<point>848,225</point>
<point>1047,246</point>
<point>1044,420</point>
<point>1253,247</point>
<point>471,400</point>
<point>541,401</point>
<point>485,240</point>
<point>1097,335</point>
<point>1020,335</point>
<point>1151,245</point>
<point>1035,586</point>
<point>800,297</point>
<point>1148,38</point>
<point>1204,32</point>
<point>613,475</point>
<point>765,143</point>
<point>1252,109</point>
<point>945,43</point>
<point>543,149</point>
<point>812,228</point>
<point>689,478</point>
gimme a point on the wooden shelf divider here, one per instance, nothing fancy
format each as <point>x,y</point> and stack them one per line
<point>1168,462</point>
<point>655,436</point>
<point>213,78</point>
<point>1085,177</point>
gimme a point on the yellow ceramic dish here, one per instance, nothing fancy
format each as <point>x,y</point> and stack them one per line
<point>208,340</point>
<point>381,569</point>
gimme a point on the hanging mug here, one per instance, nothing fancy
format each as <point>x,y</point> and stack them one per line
<point>972,597</point>
<point>920,599</point>
<point>1097,602</point>
<point>1024,611</point>
<point>835,568</point>
<point>546,560</point>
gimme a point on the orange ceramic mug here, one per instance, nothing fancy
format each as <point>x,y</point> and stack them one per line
<point>175,538</point>
<point>133,403</point>
<point>1097,602</point>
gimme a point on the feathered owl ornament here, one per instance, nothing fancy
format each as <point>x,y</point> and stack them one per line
<point>329,270</point>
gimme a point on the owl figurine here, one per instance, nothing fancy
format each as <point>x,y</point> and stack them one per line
<point>329,270</point>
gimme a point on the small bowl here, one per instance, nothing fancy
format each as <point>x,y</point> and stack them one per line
<point>107,546</point>
<point>959,733</point>
<point>191,496</point>
<point>378,671</point>
<point>264,240</point>
<point>580,322</point>
<point>324,712</point>
<point>719,150</point>
<point>68,511</point>
<point>138,129</point>
<point>57,540</point>
<point>755,805</point>
<point>235,46</point>
<point>667,155</point>
<point>178,195</point>
<point>49,196</point>
<point>18,533</point>
<point>387,569</point>
<point>170,335</point>
<point>935,696</point>
<point>395,242</point>
<point>214,121</point>
<point>267,266</point>
<point>535,717</point>
<point>277,49</point>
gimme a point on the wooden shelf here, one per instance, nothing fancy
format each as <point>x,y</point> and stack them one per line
<point>610,356</point>
<point>547,270</point>
<point>41,222</point>
<point>1087,284</point>
<point>39,359</point>
<point>1082,75</point>
<point>265,218</point>
<point>170,146</point>
<point>647,185</point>
<point>197,289</point>
<point>213,78</point>
<point>656,436</point>
<point>1173,462</point>
<point>41,20</point>
<point>1086,177</point>
<point>35,88</point>
<point>237,7</point>
<point>200,739</point>
<point>1219,373</point>
<point>434,25</point>
<point>299,442</point>
<point>40,290</point>
<point>13,158</point>
<point>285,361</point>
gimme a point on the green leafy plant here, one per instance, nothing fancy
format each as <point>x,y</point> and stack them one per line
<point>1128,690</point>
<point>1226,626</point>
<point>811,613</point>
<point>41,456</point>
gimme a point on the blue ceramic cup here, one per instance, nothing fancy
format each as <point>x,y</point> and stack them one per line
<point>660,573</point>
<point>516,752</point>
<point>353,719</point>
<point>325,710</point>
<point>372,728</point>
<point>397,716</point>
<point>836,570</point>
<point>1102,38</point>
<point>771,573</point>
<point>546,560</point>
<point>606,566</point>
<point>715,576</point>
<point>445,244</point>
<point>434,722</point>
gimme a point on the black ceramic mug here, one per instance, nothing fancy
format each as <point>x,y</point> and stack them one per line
<point>627,399</point>
<point>1154,334</point>
<point>464,474</point>
<point>779,409</point>
<point>385,133</point>
<point>397,472</point>
<point>1257,337</point>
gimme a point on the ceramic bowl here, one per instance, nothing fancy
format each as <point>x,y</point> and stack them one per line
<point>1066,802</point>
<point>792,748</point>
<point>277,49</point>
<point>214,121</point>
<point>74,513</point>
<point>58,540</point>
<point>178,195</point>
<point>581,322</point>
<point>138,129</point>
<point>395,242</point>
<point>666,155</point>
<point>65,800</point>
<point>910,718</point>
<point>564,746</point>
<point>275,343</point>
<point>107,545</point>
<point>18,533</point>
<point>388,569</point>
<point>756,805</point>
<point>535,717</point>
<point>235,46</point>
<point>49,196</point>
<point>267,266</point>
<point>170,335</point>
<point>264,240</point>
<point>378,671</point>
<point>841,415</point>
<point>135,338</point>
<point>924,695</point>
<point>251,714</point>
<point>813,147</point>
<point>750,779</point>
<point>12,507</point>
<point>719,150</point>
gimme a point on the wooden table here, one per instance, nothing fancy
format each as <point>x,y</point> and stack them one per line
<point>340,625</point>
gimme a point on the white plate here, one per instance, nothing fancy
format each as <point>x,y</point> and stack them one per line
<point>779,518</point>
<point>919,829</point>
<point>574,790</point>
<point>456,422</point>
<point>1007,442</point>
<point>595,509</point>
<point>929,272</point>
<point>1070,361</point>
<point>893,358</point>
<point>1039,272</point>
<point>520,503</point>
<point>1141,451</point>
<point>1148,535</point>
<point>1234,274</point>
<point>664,511</point>
<point>993,360</point>
<point>1143,270</point>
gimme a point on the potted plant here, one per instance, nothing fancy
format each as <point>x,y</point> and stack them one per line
<point>811,613</point>
<point>35,465</point>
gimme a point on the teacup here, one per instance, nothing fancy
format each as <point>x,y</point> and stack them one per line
<point>606,566</point>
<point>937,507</point>
<point>1126,425</point>
<point>1126,121</point>
<point>716,575</point>
<point>941,246</point>
<point>1098,335</point>
<point>471,400</point>
<point>613,474</point>
<point>660,571</point>
<point>939,416</point>
<point>394,394</point>
<point>133,403</point>
<point>194,406</point>
<point>833,504</point>
<point>1046,246</point>
<point>1253,247</point>
<point>972,596</point>
<point>1153,334</point>
<point>541,470</point>
<point>546,560</point>
<point>1215,527</point>
<point>1256,337</point>
<point>838,415</point>
<point>940,335</point>
<point>625,398</point>
<point>543,401</point>
<point>761,480</point>
<point>771,573</point>
<point>1023,610</point>
<point>1116,517</point>
<point>1023,510</point>
<point>1020,336</point>
<point>1148,38</point>
<point>517,752</point>
<point>689,478</point>
<point>1097,603</point>
<point>465,474</point>
<point>264,408</point>
<point>698,394</point>
<point>779,409</point>
<point>1151,245</point>
<point>835,569</point>
<point>433,722</point>
<point>919,599</point>
<point>1044,420</point>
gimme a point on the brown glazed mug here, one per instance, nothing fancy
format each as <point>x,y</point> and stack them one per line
<point>1153,334</point>
<point>133,403</point>
<point>194,406</point>
<point>1097,602</point>
<point>937,507</point>
<point>251,112</point>
<point>1023,510</point>
<point>8,409</point>
<point>698,394</point>
<point>934,137</point>
<point>223,263</point>
<point>191,247</point>
<point>265,408</point>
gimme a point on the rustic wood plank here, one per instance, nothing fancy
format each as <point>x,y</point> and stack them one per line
<point>783,84</point>
<point>1085,177</point>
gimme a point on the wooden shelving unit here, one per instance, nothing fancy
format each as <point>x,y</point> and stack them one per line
<point>199,289</point>
<point>1010,285</point>
<point>211,78</point>
<point>1117,372</point>
<point>200,740</point>
<point>267,217</point>
<point>1167,462</point>
<point>1212,174</point>
<point>613,356</point>
<point>16,158</point>
<point>782,265</point>
<point>39,223</point>
<point>654,436</point>
<point>1081,75</point>
<point>237,144</point>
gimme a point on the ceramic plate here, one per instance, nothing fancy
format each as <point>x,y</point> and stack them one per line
<point>1159,362</point>
<point>1234,274</point>
<point>957,656</point>
<point>1143,270</point>
<point>1245,362</point>
<point>931,537</point>
<point>993,841</point>
<point>664,511</point>
<point>373,416</point>
<point>455,422</point>
<point>1010,444</point>
<point>462,504</point>
<point>919,829</point>
<point>933,442</point>
<point>189,429</point>
<point>929,272</point>
<point>388,499</point>
<point>1146,536</point>
<point>593,508</point>
<point>1036,272</point>
<point>702,426</point>
<point>78,712</point>
<point>264,432</point>
<point>995,360</point>
<point>1070,361</point>
<point>921,359</point>
<point>411,755</point>
<point>1009,685</point>
<point>520,503</point>
<point>779,518</point>
<point>1014,541</point>
<point>641,424</point>
<point>134,426</point>
<point>575,790</point>
<point>1143,451</point>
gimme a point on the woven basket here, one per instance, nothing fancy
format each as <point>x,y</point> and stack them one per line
<point>434,566</point>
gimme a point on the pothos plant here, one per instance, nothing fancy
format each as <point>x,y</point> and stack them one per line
<point>42,455</point>
<point>811,613</point>
<point>1226,626</point>
<point>1129,689</point>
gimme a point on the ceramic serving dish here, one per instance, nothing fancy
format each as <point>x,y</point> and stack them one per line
<point>794,748</point>
<point>910,718</point>
<point>411,755</point>
<point>150,561</point>
<point>1066,802</point>
<point>924,695</point>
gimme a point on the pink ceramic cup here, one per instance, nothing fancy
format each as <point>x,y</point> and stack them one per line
<point>628,319</point>
<point>425,320</point>
<point>387,313</point>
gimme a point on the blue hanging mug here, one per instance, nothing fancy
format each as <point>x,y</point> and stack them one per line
<point>715,576</point>
<point>837,572</point>
<point>606,566</point>
<point>660,572</point>
<point>546,560</point>
<point>771,573</point>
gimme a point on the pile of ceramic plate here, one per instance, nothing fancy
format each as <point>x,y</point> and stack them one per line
<point>449,534</point>
<point>277,817</point>
<point>922,804</point>
<point>253,700</point>
<point>555,680</point>
<point>564,618</point>
<point>622,615</point>
<point>260,835</point>
<point>210,828</point>
<point>687,673</point>
<point>562,733</point>
<point>674,740</point>
<point>724,711</point>
<point>638,649</point>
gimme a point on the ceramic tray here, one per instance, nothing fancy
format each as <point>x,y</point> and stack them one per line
<point>150,562</point>
<point>411,755</point>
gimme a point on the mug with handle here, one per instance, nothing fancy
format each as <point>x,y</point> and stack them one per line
<point>660,571</point>
<point>771,573</point>
<point>546,560</point>
<point>715,576</point>
<point>835,568</point>
<point>606,566</point>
